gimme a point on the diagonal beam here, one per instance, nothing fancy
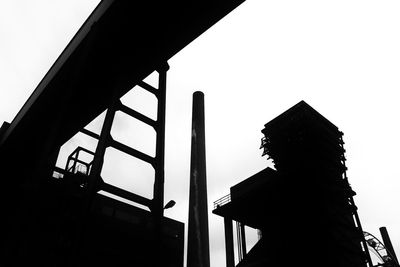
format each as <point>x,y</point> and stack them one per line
<point>148,88</point>
<point>90,133</point>
<point>131,151</point>
<point>126,194</point>
<point>137,115</point>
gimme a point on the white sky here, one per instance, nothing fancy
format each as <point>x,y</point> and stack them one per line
<point>342,57</point>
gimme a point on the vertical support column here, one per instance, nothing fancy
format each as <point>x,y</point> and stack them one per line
<point>158,190</point>
<point>98,158</point>
<point>76,157</point>
<point>243,239</point>
<point>229,249</point>
<point>239,241</point>
<point>388,244</point>
<point>198,252</point>
<point>157,207</point>
<point>94,180</point>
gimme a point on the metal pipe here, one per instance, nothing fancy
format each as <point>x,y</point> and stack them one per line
<point>198,254</point>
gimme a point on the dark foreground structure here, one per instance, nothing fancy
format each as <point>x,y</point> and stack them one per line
<point>62,220</point>
<point>305,208</point>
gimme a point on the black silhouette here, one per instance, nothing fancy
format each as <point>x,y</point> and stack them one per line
<point>305,208</point>
<point>63,221</point>
<point>198,252</point>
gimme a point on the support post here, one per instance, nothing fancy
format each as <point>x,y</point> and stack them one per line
<point>229,249</point>
<point>158,190</point>
<point>388,244</point>
<point>94,180</point>
<point>243,239</point>
<point>98,158</point>
<point>198,254</point>
<point>157,205</point>
<point>75,161</point>
<point>239,242</point>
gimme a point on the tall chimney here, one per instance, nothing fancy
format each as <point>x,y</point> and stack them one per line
<point>198,254</point>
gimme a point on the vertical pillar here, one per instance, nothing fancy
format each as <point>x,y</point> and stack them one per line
<point>158,190</point>
<point>243,239</point>
<point>94,180</point>
<point>239,241</point>
<point>198,254</point>
<point>98,158</point>
<point>76,157</point>
<point>388,244</point>
<point>157,207</point>
<point>229,249</point>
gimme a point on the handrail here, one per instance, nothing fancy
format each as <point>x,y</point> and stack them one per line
<point>222,201</point>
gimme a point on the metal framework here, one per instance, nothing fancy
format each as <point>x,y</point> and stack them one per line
<point>379,249</point>
<point>94,182</point>
<point>74,158</point>
<point>105,140</point>
<point>354,207</point>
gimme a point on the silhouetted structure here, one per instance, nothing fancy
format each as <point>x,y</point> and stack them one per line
<point>198,253</point>
<point>388,245</point>
<point>384,252</point>
<point>305,208</point>
<point>64,221</point>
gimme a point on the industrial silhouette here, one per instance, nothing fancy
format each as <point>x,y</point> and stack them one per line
<point>198,252</point>
<point>305,208</point>
<point>56,217</point>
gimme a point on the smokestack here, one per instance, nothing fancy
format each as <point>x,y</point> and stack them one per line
<point>198,254</point>
<point>388,244</point>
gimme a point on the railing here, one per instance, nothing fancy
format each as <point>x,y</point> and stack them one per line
<point>77,164</point>
<point>222,201</point>
<point>58,172</point>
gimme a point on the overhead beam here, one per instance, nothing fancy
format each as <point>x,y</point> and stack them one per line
<point>131,151</point>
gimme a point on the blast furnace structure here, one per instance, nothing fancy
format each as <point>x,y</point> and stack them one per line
<point>304,208</point>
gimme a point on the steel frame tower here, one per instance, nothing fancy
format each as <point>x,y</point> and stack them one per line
<point>303,207</point>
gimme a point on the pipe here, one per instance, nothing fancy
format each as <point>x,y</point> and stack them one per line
<point>388,244</point>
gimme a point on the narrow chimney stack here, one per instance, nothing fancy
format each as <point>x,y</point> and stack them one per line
<point>198,254</point>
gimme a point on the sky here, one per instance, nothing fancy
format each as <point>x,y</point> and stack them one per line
<point>341,57</point>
